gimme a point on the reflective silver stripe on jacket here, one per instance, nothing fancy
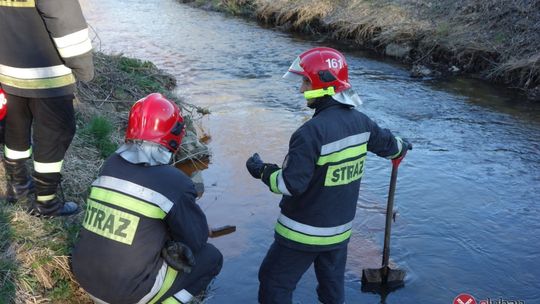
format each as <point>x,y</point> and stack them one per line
<point>35,73</point>
<point>311,230</point>
<point>183,296</point>
<point>134,190</point>
<point>281,184</point>
<point>353,140</point>
<point>73,44</point>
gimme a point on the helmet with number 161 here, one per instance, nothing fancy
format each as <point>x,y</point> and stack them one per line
<point>324,67</point>
<point>3,105</point>
<point>156,119</point>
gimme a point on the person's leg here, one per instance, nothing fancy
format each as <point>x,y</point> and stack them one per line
<point>330,271</point>
<point>17,148</point>
<point>54,128</point>
<point>280,271</point>
<point>208,262</point>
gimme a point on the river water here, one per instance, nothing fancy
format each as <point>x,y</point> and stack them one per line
<point>466,195</point>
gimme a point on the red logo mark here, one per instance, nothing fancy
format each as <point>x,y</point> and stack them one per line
<point>464,299</point>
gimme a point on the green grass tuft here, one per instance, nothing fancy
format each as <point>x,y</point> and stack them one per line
<point>101,129</point>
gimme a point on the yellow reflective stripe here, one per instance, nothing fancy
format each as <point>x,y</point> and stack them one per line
<point>342,155</point>
<point>134,190</point>
<point>45,83</point>
<point>35,73</point>
<point>13,154</point>
<point>349,141</point>
<point>313,230</point>
<point>345,173</point>
<point>309,239</point>
<point>44,198</point>
<point>48,167</point>
<point>319,93</point>
<point>167,283</point>
<point>111,223</point>
<point>127,202</point>
<point>171,300</point>
<point>18,3</point>
<point>274,182</point>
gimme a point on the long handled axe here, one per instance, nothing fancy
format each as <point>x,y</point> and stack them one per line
<point>385,277</point>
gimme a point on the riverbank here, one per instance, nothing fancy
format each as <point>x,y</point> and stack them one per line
<point>34,253</point>
<point>494,40</point>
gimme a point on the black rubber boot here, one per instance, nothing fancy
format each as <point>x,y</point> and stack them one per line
<point>53,208</point>
<point>46,185</point>
<point>19,186</point>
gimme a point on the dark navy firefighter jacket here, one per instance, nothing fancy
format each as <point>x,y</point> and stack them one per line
<point>321,174</point>
<point>132,210</point>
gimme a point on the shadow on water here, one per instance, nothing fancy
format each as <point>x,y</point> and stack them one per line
<point>382,290</point>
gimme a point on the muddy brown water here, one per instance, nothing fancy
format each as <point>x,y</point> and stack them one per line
<point>467,195</point>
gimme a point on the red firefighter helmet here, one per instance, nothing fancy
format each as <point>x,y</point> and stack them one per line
<point>3,104</point>
<point>324,67</point>
<point>156,119</point>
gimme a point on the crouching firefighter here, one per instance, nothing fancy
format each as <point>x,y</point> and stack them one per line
<point>319,181</point>
<point>144,238</point>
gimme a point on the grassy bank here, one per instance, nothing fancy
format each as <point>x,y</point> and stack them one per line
<point>34,253</point>
<point>497,40</point>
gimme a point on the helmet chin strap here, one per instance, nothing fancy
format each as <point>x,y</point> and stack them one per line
<point>312,94</point>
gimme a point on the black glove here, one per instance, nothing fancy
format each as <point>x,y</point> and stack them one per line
<point>405,146</point>
<point>255,165</point>
<point>178,255</point>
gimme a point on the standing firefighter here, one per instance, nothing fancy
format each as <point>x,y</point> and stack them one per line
<point>319,181</point>
<point>44,48</point>
<point>141,219</point>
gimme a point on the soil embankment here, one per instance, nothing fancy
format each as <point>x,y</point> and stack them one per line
<point>496,40</point>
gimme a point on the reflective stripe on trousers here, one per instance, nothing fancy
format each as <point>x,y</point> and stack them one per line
<point>311,235</point>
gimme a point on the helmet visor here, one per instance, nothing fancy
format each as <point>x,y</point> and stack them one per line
<point>294,70</point>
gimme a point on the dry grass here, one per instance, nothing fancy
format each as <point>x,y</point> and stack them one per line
<point>34,252</point>
<point>498,40</point>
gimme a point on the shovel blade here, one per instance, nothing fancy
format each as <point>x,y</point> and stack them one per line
<point>373,279</point>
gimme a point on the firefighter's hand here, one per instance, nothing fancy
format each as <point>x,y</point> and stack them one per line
<point>255,165</point>
<point>178,255</point>
<point>405,146</point>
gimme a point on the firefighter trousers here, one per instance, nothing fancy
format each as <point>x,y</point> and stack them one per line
<point>208,262</point>
<point>44,128</point>
<point>283,267</point>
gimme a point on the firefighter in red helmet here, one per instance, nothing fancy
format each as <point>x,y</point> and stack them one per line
<point>319,180</point>
<point>144,238</point>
